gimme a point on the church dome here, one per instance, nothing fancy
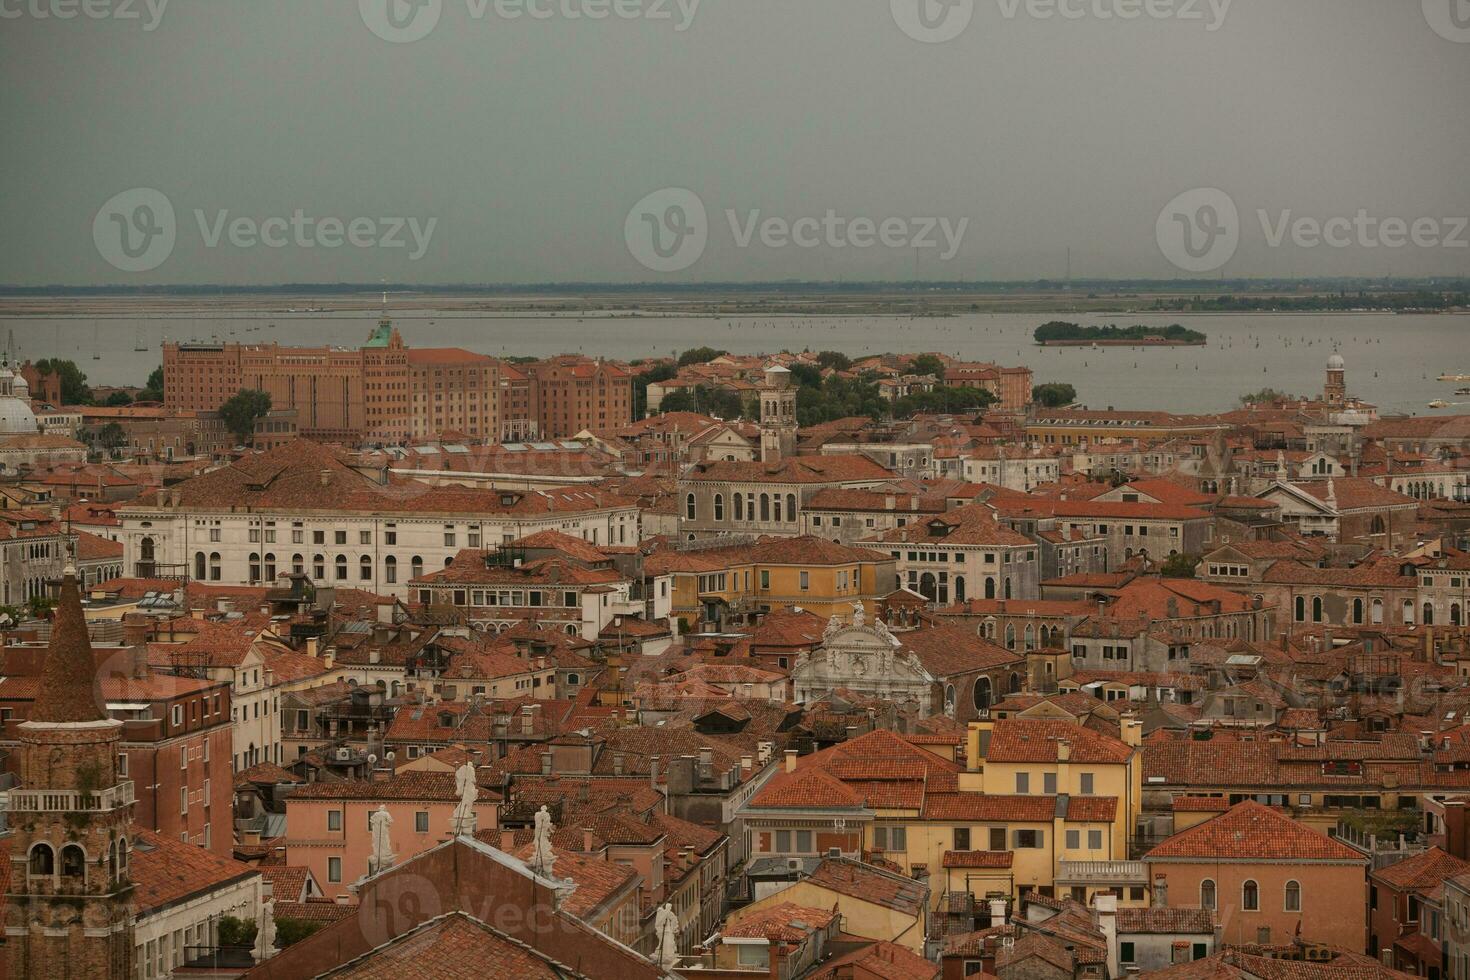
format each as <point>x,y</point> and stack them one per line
<point>16,417</point>
<point>1336,363</point>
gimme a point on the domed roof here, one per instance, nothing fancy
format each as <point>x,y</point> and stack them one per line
<point>1336,363</point>
<point>16,417</point>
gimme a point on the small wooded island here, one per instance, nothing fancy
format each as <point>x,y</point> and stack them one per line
<point>1059,333</point>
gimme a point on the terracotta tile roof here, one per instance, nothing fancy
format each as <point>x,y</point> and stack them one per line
<point>947,650</point>
<point>806,789</point>
<point>879,961</point>
<point>1035,740</point>
<point>69,689</point>
<point>265,773</point>
<point>1422,871</point>
<point>971,525</point>
<point>1165,920</point>
<point>287,881</point>
<point>314,910</point>
<point>598,879</point>
<point>1201,804</point>
<point>402,785</point>
<point>792,470</point>
<point>787,922</point>
<point>454,946</point>
<point>1250,831</point>
<point>870,884</point>
<point>164,870</point>
<point>978,859</point>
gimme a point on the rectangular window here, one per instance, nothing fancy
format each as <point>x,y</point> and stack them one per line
<point>1074,839</point>
<point>805,581</point>
<point>962,838</point>
<point>783,842</point>
<point>1094,840</point>
<point>1023,782</point>
<point>421,822</point>
<point>183,800</point>
<point>1125,952</point>
<point>1086,781</point>
<point>1027,840</point>
<point>334,869</point>
<point>1049,783</point>
<point>997,838</point>
<point>334,820</point>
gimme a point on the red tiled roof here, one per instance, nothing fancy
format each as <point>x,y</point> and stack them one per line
<point>164,870</point>
<point>978,859</point>
<point>1035,740</point>
<point>1250,831</point>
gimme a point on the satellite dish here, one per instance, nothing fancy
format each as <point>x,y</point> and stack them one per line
<point>391,756</point>
<point>372,758</point>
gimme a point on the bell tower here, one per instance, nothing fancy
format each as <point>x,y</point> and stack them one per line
<point>778,415</point>
<point>69,909</point>
<point>1334,392</point>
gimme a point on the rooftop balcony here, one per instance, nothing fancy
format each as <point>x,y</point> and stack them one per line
<point>1103,873</point>
<point>71,801</point>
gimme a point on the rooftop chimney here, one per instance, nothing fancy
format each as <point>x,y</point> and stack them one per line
<point>791,760</point>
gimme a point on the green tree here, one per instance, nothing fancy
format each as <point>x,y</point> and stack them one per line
<point>241,411</point>
<point>806,376</point>
<point>74,390</point>
<point>700,355</point>
<point>837,398</point>
<point>39,605</point>
<point>641,381</point>
<point>1053,395</point>
<point>153,389</point>
<point>118,398</point>
<point>292,931</point>
<point>234,931</point>
<point>110,437</point>
<point>836,360</point>
<point>942,399</point>
<point>1265,396</point>
<point>927,364</point>
<point>1179,566</point>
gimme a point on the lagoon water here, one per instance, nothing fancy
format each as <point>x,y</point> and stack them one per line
<point>1392,361</point>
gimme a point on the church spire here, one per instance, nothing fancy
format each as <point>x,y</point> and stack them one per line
<point>69,690</point>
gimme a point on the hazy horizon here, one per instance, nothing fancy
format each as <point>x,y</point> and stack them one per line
<point>524,150</point>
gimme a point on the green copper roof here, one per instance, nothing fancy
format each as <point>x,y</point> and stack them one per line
<point>381,335</point>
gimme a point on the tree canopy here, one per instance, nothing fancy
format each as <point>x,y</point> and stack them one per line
<point>153,388</point>
<point>241,411</point>
<point>927,364</point>
<point>700,355</point>
<point>1053,395</point>
<point>74,390</point>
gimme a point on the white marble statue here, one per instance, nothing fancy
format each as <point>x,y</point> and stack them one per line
<point>381,824</point>
<point>542,856</point>
<point>833,625</point>
<point>469,792</point>
<point>666,928</point>
<point>265,936</point>
<point>859,614</point>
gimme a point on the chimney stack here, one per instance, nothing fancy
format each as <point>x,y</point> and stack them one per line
<point>791,760</point>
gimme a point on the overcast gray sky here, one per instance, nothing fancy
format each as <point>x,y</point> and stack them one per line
<point>527,141</point>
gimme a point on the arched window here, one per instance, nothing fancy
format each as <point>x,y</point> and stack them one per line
<point>270,566</point>
<point>365,568</point>
<point>765,507</point>
<point>949,699</point>
<point>43,860</point>
<point>1207,894</point>
<point>740,506</point>
<point>122,855</point>
<point>1250,896</point>
<point>255,566</point>
<point>689,507</point>
<point>1029,643</point>
<point>990,588</point>
<point>1455,615</point>
<point>73,862</point>
<point>1301,609</point>
<point>791,506</point>
<point>214,566</point>
<point>1408,612</point>
<point>959,588</point>
<point>1377,611</point>
<point>982,694</point>
<point>341,563</point>
<point>1428,614</point>
<point>1015,685</point>
<point>318,567</point>
<point>776,507</point>
<point>200,569</point>
<point>719,506</point>
<point>298,564</point>
<point>1010,637</point>
<point>416,567</point>
<point>390,569</point>
<point>1293,896</point>
<point>1008,588</point>
<point>1358,611</point>
<point>1316,609</point>
<point>112,861</point>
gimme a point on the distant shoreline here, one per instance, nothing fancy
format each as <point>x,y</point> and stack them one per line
<point>1124,343</point>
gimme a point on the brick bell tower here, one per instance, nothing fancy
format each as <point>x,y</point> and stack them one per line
<point>69,908</point>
